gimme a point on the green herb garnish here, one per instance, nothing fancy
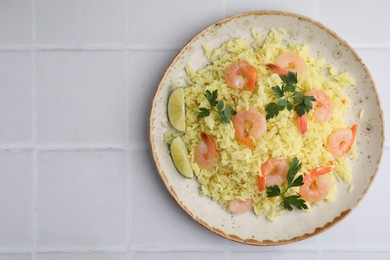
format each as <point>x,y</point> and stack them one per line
<point>289,96</point>
<point>293,200</point>
<point>225,113</point>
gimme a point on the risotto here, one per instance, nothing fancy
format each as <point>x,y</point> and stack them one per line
<point>265,127</point>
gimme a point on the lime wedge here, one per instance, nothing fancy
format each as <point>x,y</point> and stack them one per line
<point>176,109</point>
<point>180,157</point>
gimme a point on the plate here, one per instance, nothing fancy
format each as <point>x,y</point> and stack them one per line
<point>296,225</point>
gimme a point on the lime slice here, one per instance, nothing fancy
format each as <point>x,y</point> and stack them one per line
<point>176,109</point>
<point>180,157</point>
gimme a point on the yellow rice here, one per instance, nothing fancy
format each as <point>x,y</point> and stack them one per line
<point>237,168</point>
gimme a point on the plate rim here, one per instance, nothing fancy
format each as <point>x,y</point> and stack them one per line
<point>233,237</point>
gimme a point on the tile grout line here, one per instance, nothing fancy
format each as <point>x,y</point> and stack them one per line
<point>358,249</point>
<point>15,47</point>
<point>128,167</point>
<point>15,251</point>
<point>45,148</point>
<point>226,250</point>
<point>74,147</point>
<point>154,248</point>
<point>71,250</point>
<point>35,204</point>
<point>148,47</point>
<point>64,147</point>
<point>34,130</point>
<point>89,47</point>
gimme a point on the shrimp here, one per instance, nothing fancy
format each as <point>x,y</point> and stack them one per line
<point>341,141</point>
<point>205,152</point>
<point>302,124</point>
<point>316,184</point>
<point>288,61</point>
<point>257,122</point>
<point>323,107</point>
<point>240,74</point>
<point>261,182</point>
<point>239,206</point>
<point>274,172</point>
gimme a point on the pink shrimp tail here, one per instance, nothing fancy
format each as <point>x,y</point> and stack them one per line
<point>354,132</point>
<point>245,140</point>
<point>205,138</point>
<point>251,74</point>
<point>302,124</point>
<point>261,183</point>
<point>277,69</point>
<point>320,170</point>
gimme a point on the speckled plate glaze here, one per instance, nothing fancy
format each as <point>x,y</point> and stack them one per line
<point>295,225</point>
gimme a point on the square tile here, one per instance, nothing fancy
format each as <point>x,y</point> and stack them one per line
<point>82,199</point>
<point>178,255</point>
<point>374,59</point>
<point>15,97</point>
<point>146,70</point>
<point>156,219</point>
<point>83,256</point>
<point>364,22</point>
<point>274,255</point>
<point>360,255</point>
<point>81,97</point>
<point>80,22</point>
<point>15,22</point>
<point>367,225</point>
<point>170,23</point>
<point>16,203</point>
<point>304,7</point>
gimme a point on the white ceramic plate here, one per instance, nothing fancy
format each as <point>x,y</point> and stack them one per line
<point>295,225</point>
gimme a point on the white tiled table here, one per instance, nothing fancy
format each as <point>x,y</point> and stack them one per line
<point>76,176</point>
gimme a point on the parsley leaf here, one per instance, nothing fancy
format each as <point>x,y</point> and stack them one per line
<point>272,110</point>
<point>203,112</point>
<point>282,103</point>
<point>278,92</point>
<point>295,166</point>
<point>300,108</point>
<point>289,105</point>
<point>220,105</point>
<point>290,88</point>
<point>308,101</point>
<point>225,115</point>
<point>293,200</point>
<point>288,97</point>
<point>289,78</point>
<point>273,191</point>
<point>212,97</point>
<point>297,182</point>
<point>298,98</point>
